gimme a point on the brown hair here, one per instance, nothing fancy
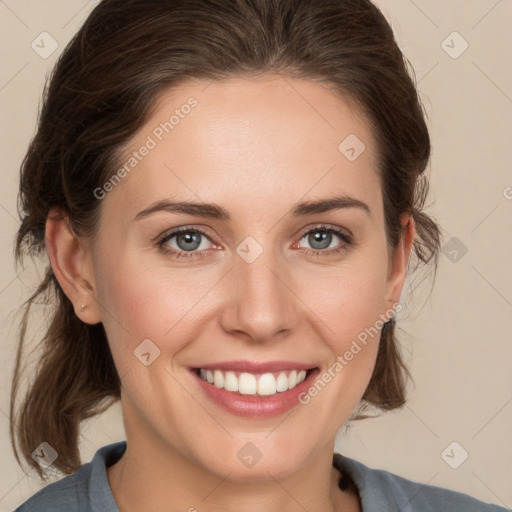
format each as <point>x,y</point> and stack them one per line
<point>99,95</point>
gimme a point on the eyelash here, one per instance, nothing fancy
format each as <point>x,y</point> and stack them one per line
<point>345,237</point>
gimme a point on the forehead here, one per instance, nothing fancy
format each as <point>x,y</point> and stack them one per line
<point>251,142</point>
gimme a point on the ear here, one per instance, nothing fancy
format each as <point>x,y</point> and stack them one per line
<point>72,265</point>
<point>399,260</point>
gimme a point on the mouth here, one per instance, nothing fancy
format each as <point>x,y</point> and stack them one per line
<point>259,384</point>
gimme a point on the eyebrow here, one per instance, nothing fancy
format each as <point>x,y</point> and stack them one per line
<point>214,211</point>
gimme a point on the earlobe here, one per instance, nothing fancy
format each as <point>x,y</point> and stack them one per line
<point>400,259</point>
<point>71,263</point>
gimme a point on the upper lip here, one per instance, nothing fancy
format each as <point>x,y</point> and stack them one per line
<point>256,367</point>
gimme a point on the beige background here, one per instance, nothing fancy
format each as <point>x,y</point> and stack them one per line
<point>457,340</point>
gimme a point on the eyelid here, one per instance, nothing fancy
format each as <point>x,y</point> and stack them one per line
<point>176,231</point>
<point>328,227</point>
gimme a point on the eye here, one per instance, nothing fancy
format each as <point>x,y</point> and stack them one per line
<point>185,242</point>
<point>321,238</point>
<point>189,242</point>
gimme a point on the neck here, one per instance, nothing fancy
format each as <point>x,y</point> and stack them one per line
<point>154,477</point>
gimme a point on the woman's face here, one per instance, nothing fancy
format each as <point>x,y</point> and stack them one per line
<point>257,279</point>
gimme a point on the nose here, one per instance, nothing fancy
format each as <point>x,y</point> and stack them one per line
<point>260,303</point>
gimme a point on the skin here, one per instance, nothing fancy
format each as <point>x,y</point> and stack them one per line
<point>255,147</point>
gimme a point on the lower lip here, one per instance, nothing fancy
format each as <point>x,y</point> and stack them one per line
<point>256,406</point>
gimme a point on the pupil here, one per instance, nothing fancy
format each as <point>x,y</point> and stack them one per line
<point>190,239</point>
<point>320,236</point>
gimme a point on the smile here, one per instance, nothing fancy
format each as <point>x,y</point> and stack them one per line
<point>245,383</point>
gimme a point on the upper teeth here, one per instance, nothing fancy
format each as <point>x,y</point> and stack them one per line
<point>252,384</point>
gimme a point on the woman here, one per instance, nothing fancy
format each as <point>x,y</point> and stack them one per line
<point>229,193</point>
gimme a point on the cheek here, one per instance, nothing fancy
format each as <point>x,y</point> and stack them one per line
<point>349,304</point>
<point>348,300</point>
<point>141,301</point>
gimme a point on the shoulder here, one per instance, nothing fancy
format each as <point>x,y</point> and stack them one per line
<point>85,490</point>
<point>68,494</point>
<point>385,491</point>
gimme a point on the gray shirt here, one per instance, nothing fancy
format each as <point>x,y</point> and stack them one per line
<point>381,491</point>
